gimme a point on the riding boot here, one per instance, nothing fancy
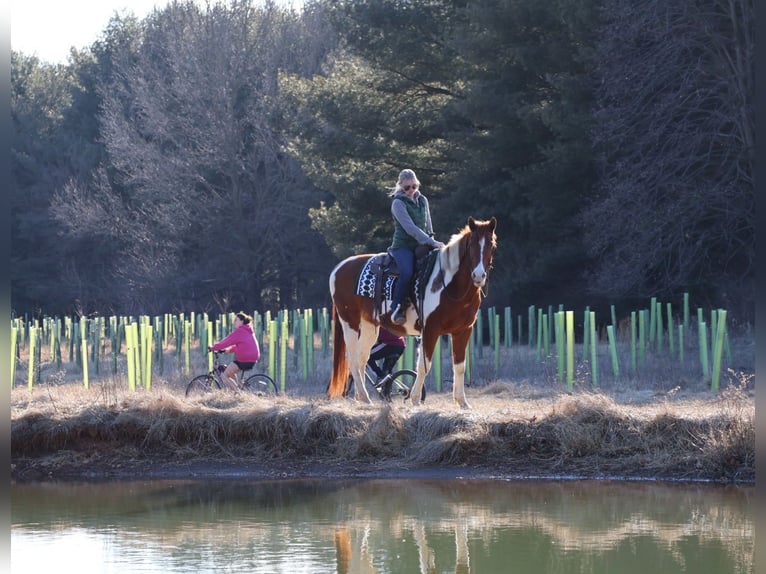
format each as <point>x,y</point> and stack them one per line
<point>398,315</point>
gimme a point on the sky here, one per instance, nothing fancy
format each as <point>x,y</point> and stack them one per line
<point>48,28</point>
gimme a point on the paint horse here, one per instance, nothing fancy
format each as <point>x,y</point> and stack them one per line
<point>453,294</point>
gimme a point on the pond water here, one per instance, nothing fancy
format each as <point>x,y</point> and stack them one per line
<point>394,526</point>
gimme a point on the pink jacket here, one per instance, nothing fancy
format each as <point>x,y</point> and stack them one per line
<point>245,346</point>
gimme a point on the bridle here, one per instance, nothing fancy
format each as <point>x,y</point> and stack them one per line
<point>463,252</point>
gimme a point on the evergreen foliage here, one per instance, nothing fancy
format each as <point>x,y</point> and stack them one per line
<point>229,155</point>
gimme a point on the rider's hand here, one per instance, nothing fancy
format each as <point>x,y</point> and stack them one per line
<point>438,245</point>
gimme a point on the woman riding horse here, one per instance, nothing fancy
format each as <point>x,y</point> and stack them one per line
<point>452,296</point>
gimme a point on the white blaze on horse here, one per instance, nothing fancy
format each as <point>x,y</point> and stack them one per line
<point>453,294</point>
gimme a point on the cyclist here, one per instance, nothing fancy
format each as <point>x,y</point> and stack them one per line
<point>242,342</point>
<point>388,347</point>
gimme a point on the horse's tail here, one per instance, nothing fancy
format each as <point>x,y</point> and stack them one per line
<point>340,369</point>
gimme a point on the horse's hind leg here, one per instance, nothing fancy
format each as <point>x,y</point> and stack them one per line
<point>358,347</point>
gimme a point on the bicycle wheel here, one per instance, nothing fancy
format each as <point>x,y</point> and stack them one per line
<point>402,384</point>
<point>201,385</point>
<point>260,384</point>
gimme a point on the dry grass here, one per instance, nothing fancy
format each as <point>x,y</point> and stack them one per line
<point>514,429</point>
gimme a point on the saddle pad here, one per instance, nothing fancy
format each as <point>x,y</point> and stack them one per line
<point>365,285</point>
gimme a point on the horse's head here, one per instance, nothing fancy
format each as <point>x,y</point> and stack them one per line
<point>481,242</point>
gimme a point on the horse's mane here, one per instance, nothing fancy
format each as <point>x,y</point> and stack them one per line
<point>451,252</point>
<point>456,237</point>
<point>450,255</point>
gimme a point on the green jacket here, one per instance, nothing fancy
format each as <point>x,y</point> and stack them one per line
<point>412,225</point>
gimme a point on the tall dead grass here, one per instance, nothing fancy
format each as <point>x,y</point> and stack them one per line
<point>514,430</point>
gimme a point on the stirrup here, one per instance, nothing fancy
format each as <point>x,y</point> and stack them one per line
<point>398,316</point>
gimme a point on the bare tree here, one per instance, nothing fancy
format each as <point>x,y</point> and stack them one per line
<point>675,135</point>
<point>197,190</point>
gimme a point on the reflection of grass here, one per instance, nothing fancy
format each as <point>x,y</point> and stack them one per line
<point>588,516</point>
<point>513,429</point>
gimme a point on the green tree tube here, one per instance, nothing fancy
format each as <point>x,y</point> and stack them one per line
<point>14,342</point>
<point>129,352</point>
<point>272,348</point>
<point>642,337</point>
<point>658,318</point>
<point>491,325</point>
<point>57,343</point>
<point>148,337</point>
<point>570,348</point>
<point>283,344</point>
<point>137,354</point>
<point>540,318</point>
<point>633,365</point>
<point>550,323</point>
<point>718,350</point>
<point>586,334</point>
<point>32,355</point>
<point>409,353</point>
<point>84,344</point>
<point>187,347</point>
<point>310,337</point>
<point>613,351</point>
<point>478,330</point>
<point>560,344</point>
<point>703,351</point>
<point>496,342</point>
<point>299,345</point>
<point>467,377</point>
<point>436,362</point>
<point>593,350</point>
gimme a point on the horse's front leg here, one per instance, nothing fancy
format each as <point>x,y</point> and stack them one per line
<point>417,388</point>
<point>459,344</point>
<point>425,354</point>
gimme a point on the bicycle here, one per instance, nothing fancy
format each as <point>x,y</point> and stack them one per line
<point>259,384</point>
<point>401,383</point>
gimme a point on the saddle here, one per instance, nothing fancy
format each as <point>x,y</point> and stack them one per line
<point>384,272</point>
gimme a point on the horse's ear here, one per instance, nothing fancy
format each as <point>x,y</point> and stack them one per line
<point>492,223</point>
<point>471,223</point>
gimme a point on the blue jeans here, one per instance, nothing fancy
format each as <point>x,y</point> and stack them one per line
<point>405,261</point>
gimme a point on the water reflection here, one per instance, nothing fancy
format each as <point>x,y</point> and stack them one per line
<point>382,526</point>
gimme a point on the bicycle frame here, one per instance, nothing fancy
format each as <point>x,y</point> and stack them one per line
<point>258,383</point>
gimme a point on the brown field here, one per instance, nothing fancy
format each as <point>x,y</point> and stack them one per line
<point>664,424</point>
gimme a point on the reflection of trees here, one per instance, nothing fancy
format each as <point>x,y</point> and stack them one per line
<point>425,526</point>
